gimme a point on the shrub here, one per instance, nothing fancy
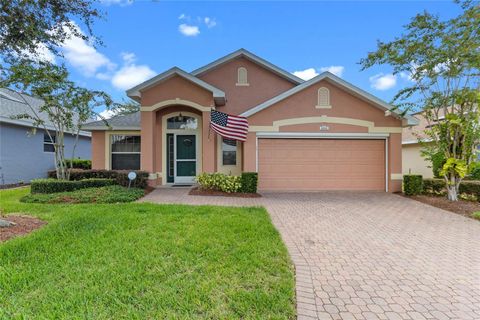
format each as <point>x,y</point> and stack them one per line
<point>219,182</point>
<point>120,176</point>
<point>412,184</point>
<point>437,186</point>
<point>55,186</point>
<point>80,164</point>
<point>107,194</point>
<point>249,181</point>
<point>52,186</point>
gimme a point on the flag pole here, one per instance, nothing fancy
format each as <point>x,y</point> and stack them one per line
<point>209,126</point>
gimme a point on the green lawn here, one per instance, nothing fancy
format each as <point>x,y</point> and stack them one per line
<point>476,215</point>
<point>144,261</point>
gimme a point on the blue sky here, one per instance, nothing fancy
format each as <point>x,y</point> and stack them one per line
<point>144,38</point>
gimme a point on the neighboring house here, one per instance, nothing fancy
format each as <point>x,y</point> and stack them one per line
<point>25,155</point>
<point>413,162</point>
<point>320,134</point>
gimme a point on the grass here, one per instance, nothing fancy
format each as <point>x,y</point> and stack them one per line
<point>109,194</point>
<point>144,261</point>
<point>476,215</point>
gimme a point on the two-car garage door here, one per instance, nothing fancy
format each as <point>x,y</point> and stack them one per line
<point>321,164</point>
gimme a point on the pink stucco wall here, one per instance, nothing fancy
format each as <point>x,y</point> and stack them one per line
<point>263,85</point>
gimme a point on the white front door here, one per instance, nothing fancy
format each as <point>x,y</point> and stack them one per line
<point>185,158</point>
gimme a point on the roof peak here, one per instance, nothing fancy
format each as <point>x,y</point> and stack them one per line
<point>252,57</point>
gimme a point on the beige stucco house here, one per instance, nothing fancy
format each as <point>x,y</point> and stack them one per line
<point>320,134</point>
<point>412,160</point>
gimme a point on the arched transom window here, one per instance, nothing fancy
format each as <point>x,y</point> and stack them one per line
<point>181,122</point>
<point>323,98</point>
<point>242,77</point>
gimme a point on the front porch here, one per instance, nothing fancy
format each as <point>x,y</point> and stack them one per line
<point>177,144</point>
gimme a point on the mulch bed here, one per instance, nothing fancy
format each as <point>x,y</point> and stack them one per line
<point>199,192</point>
<point>23,225</point>
<point>462,207</point>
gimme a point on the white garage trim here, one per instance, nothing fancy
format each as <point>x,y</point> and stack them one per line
<point>321,135</point>
<point>316,135</point>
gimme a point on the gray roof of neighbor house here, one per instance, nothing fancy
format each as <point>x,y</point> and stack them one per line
<point>124,122</point>
<point>13,104</point>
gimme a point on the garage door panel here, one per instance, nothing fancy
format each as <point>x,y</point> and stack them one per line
<point>320,164</point>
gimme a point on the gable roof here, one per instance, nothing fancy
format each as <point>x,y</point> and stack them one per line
<point>252,57</point>
<point>338,81</point>
<point>120,122</point>
<point>218,95</point>
<point>13,103</point>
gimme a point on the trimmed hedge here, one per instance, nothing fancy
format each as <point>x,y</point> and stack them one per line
<point>120,176</point>
<point>219,182</point>
<point>437,186</point>
<point>107,194</point>
<point>249,181</point>
<point>54,185</point>
<point>412,184</point>
<point>80,164</point>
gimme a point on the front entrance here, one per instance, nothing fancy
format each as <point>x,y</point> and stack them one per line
<point>181,158</point>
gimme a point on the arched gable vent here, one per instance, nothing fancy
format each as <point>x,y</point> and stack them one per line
<point>242,76</point>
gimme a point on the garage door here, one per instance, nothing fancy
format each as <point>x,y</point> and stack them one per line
<point>321,164</point>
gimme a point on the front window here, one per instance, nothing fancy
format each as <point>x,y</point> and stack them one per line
<point>125,152</point>
<point>48,143</point>
<point>182,123</point>
<point>229,152</point>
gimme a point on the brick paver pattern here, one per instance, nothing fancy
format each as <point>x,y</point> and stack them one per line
<point>369,255</point>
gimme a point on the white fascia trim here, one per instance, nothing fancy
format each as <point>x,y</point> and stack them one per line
<point>247,54</point>
<point>112,128</point>
<point>135,91</point>
<point>336,80</point>
<point>416,141</point>
<point>30,125</point>
<point>316,135</point>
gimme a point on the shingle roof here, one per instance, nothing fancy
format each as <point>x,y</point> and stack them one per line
<point>13,104</point>
<point>121,122</point>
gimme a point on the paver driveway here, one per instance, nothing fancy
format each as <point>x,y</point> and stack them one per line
<point>370,255</point>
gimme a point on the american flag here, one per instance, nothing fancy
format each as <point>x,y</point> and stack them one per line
<point>228,126</point>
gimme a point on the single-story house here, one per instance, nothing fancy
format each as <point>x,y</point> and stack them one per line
<point>413,140</point>
<point>27,154</point>
<point>320,134</point>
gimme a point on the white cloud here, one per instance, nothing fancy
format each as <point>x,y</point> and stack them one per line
<point>105,114</point>
<point>336,70</point>
<point>183,16</point>
<point>383,81</point>
<point>188,30</point>
<point>83,56</point>
<point>42,53</point>
<point>131,74</point>
<point>306,74</point>
<point>209,22</point>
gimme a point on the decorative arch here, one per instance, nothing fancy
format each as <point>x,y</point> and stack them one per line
<point>242,76</point>
<point>178,101</point>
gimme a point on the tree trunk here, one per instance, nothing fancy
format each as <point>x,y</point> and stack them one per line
<point>452,188</point>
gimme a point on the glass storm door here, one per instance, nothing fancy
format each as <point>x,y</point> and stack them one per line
<point>185,158</point>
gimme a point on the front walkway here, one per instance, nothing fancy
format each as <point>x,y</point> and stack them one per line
<point>370,255</point>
